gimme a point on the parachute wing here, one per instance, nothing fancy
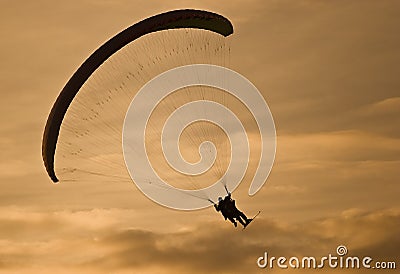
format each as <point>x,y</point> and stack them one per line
<point>170,20</point>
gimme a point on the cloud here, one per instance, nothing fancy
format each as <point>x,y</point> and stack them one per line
<point>96,242</point>
<point>224,250</point>
<point>380,116</point>
<point>386,106</point>
<point>317,63</point>
<point>341,146</point>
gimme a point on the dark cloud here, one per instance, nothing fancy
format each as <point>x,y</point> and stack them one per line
<point>97,241</point>
<point>214,247</point>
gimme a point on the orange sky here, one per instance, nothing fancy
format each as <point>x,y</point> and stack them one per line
<point>329,72</point>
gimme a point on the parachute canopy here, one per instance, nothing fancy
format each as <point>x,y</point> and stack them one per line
<point>158,105</point>
<point>177,19</point>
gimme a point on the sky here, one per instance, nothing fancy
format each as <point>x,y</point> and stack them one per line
<point>329,72</point>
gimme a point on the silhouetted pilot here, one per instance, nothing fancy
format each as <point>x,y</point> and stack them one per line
<point>228,208</point>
